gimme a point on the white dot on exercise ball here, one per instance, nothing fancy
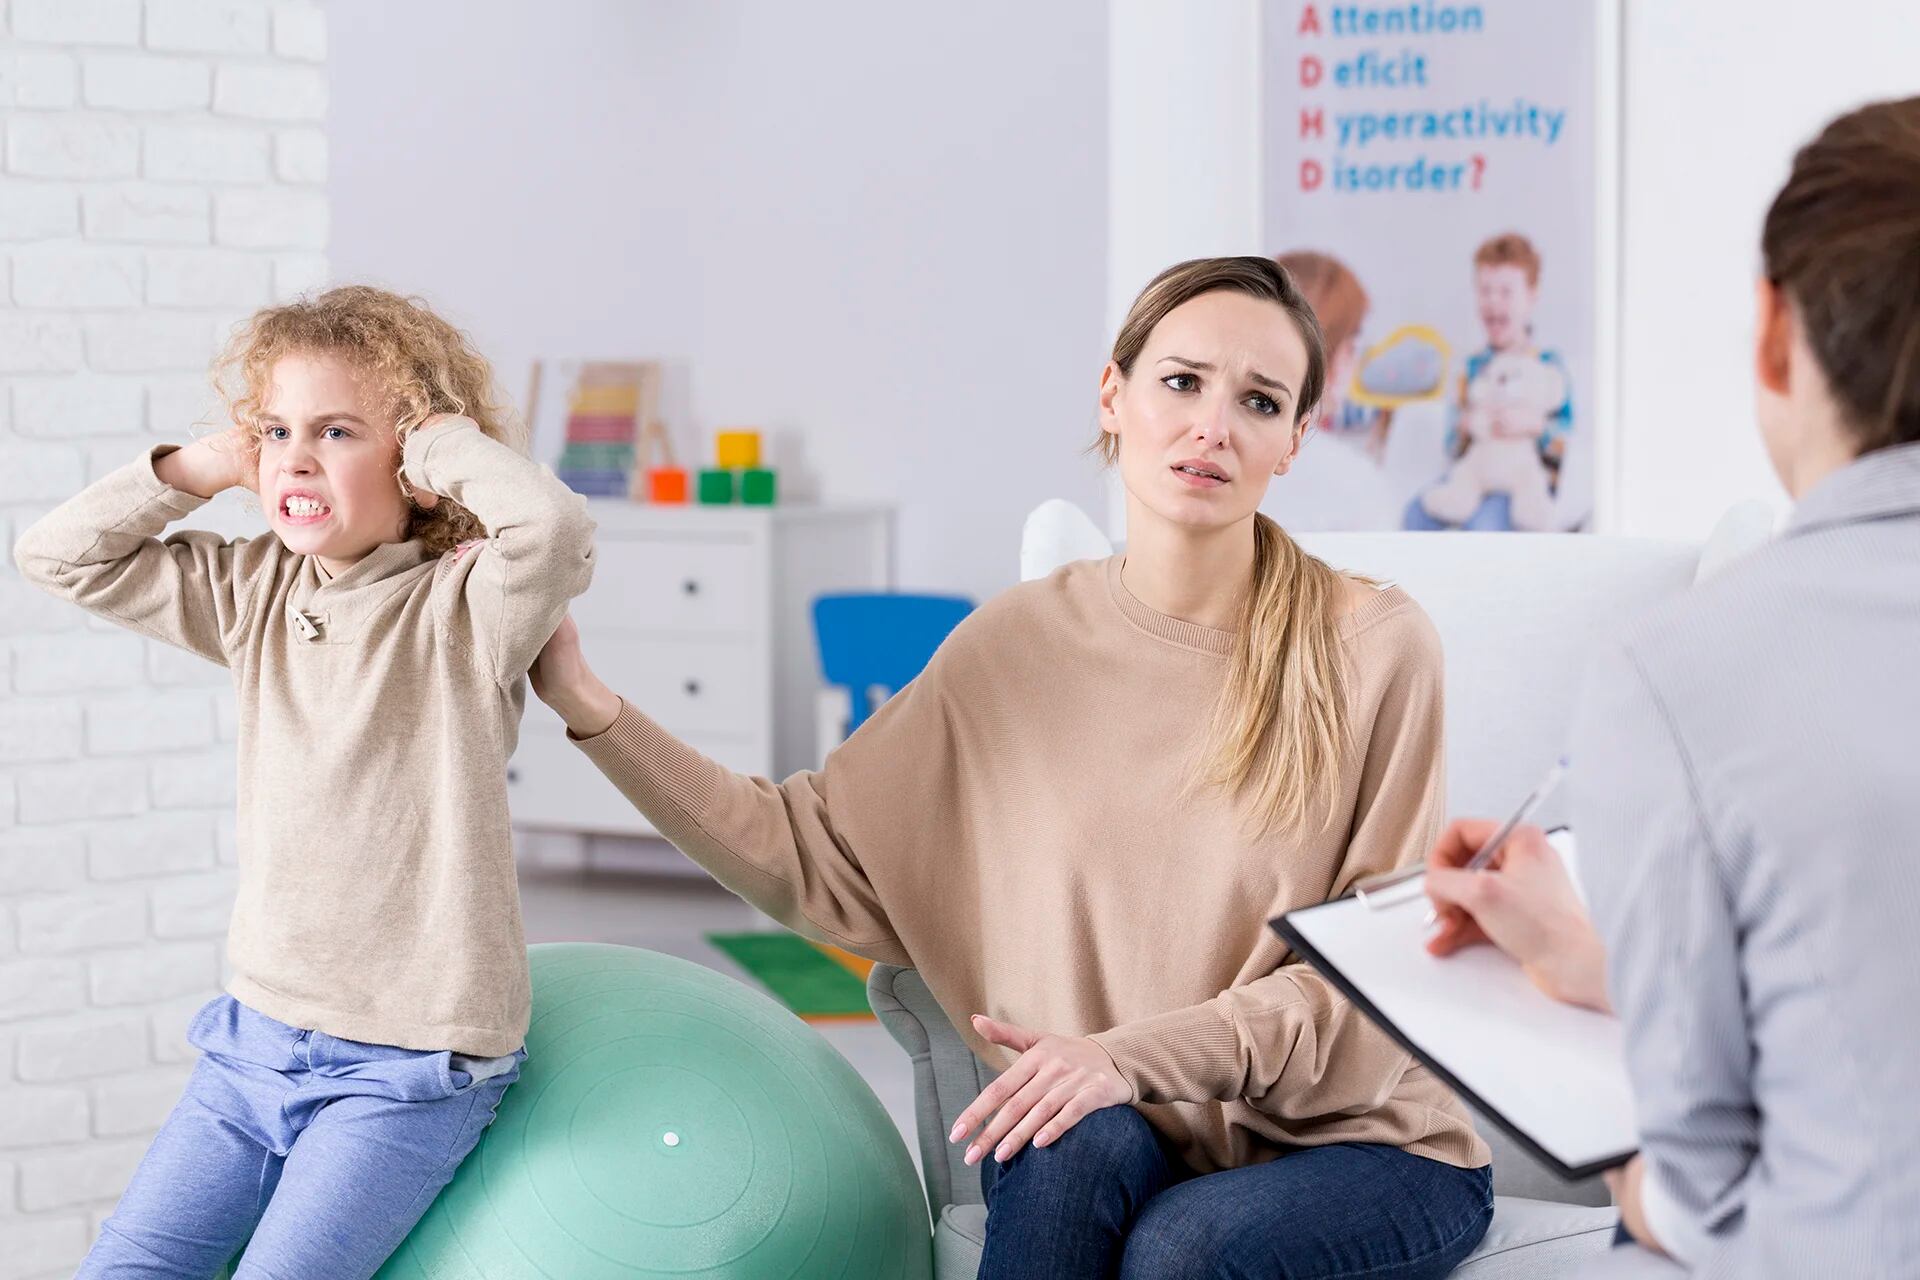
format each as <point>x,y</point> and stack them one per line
<point>671,1138</point>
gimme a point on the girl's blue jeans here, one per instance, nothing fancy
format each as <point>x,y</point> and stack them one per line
<point>316,1154</point>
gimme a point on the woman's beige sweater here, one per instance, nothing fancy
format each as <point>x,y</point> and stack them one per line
<point>1015,824</point>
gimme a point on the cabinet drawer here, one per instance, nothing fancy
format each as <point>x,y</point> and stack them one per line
<point>716,686</point>
<point>683,585</point>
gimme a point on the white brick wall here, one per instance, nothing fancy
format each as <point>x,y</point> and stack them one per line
<point>162,171</point>
<point>141,82</point>
<point>77,22</point>
<point>33,212</point>
<point>206,153</point>
<point>270,93</point>
<point>57,275</point>
<point>133,214</point>
<point>36,79</point>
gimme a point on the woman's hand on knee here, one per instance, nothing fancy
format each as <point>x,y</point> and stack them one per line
<point>1057,1082</point>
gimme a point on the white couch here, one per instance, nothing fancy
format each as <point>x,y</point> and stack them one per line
<point>1518,615</point>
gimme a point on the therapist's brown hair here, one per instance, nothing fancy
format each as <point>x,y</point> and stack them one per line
<point>1842,241</point>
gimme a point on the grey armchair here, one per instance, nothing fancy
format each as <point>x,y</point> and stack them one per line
<point>1542,1227</point>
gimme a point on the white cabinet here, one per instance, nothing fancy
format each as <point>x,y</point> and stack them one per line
<point>701,617</point>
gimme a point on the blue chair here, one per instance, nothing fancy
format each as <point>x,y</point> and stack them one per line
<point>883,640</point>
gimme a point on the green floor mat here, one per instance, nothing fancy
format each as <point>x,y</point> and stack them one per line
<point>799,974</point>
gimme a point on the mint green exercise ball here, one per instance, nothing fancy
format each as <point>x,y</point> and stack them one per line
<point>671,1122</point>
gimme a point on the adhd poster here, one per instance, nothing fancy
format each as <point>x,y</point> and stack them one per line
<point>1432,182</point>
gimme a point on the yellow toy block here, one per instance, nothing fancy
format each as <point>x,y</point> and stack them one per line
<point>737,450</point>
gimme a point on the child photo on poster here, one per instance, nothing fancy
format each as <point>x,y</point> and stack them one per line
<point>1432,181</point>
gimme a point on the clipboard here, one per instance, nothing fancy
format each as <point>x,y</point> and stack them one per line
<point>1478,1023</point>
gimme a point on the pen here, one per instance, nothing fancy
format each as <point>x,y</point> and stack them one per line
<point>1486,851</point>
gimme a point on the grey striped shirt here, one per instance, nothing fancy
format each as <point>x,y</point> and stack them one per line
<point>1747,798</point>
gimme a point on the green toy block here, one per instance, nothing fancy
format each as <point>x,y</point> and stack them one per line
<point>758,486</point>
<point>716,488</point>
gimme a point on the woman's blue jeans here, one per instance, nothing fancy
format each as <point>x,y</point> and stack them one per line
<point>1108,1199</point>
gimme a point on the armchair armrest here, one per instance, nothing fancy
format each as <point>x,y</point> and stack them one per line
<point>946,1077</point>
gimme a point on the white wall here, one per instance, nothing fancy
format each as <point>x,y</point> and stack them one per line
<point>1718,95</point>
<point>874,228</point>
<point>161,176</point>
<point>1183,139</point>
<point>1183,153</point>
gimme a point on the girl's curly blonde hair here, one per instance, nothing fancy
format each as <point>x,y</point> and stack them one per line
<point>416,362</point>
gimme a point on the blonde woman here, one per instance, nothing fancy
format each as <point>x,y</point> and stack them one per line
<point>1078,820</point>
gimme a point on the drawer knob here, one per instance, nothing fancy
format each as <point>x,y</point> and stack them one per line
<point>693,688</point>
<point>690,587</point>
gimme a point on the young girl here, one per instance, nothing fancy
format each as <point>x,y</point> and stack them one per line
<point>377,639</point>
<point>1078,820</point>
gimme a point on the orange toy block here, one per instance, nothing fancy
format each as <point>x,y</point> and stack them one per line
<point>667,485</point>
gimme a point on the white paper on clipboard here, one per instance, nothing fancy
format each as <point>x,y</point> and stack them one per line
<point>1551,1073</point>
